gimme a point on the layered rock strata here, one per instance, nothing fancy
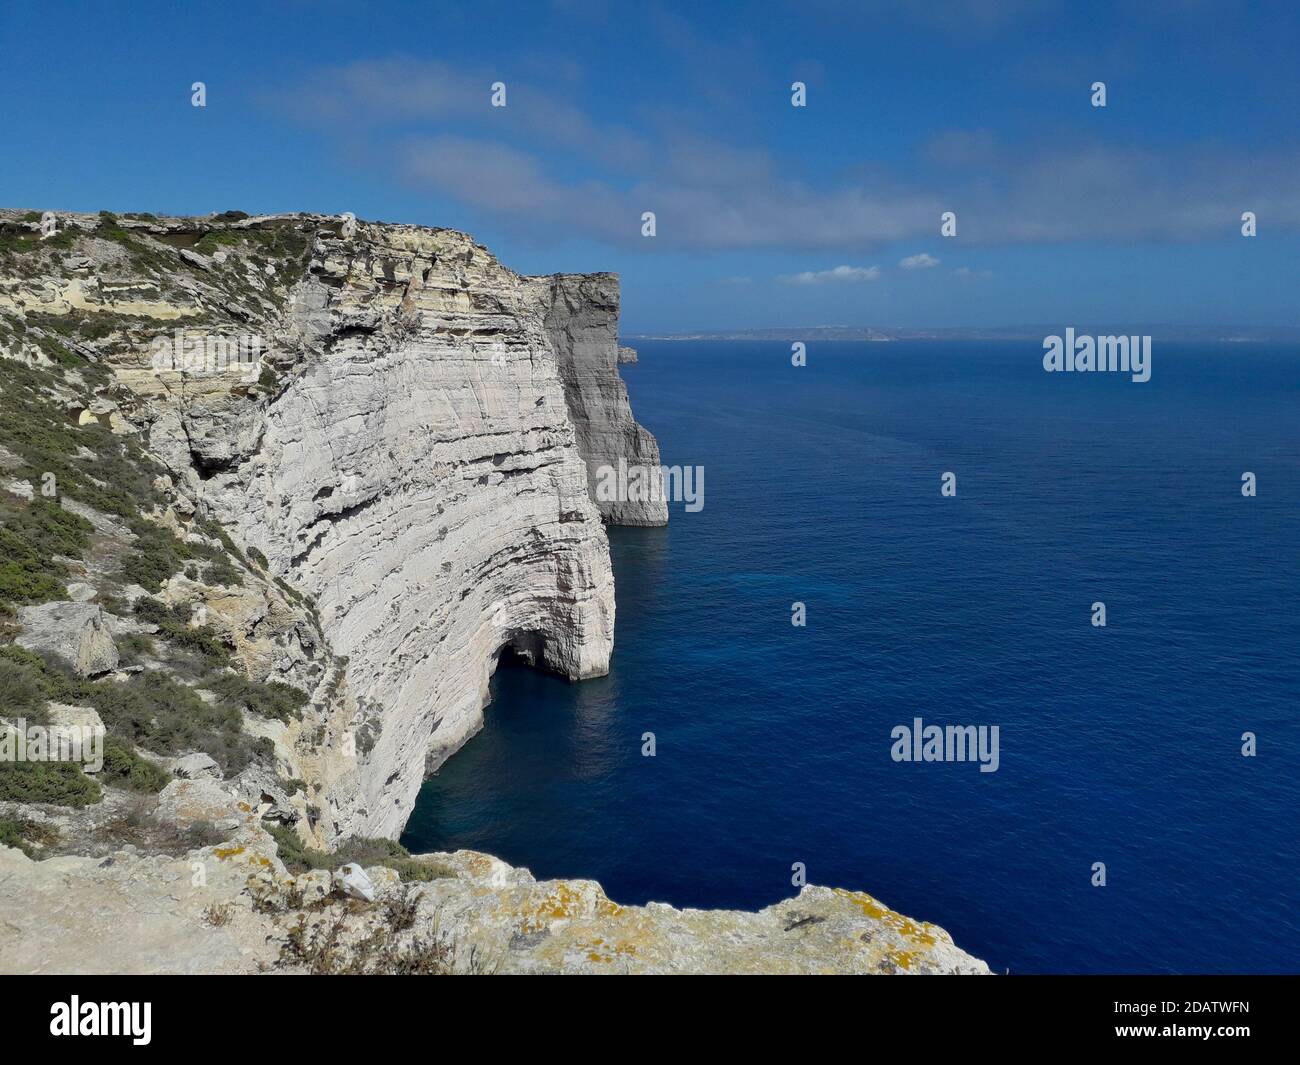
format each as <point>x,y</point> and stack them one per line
<point>421,478</point>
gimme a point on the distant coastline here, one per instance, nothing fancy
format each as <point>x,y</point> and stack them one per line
<point>1224,334</point>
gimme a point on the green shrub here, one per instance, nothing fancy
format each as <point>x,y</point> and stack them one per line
<point>25,577</point>
<point>133,646</point>
<point>22,833</point>
<point>116,479</point>
<point>31,535</point>
<point>159,714</point>
<point>59,352</point>
<point>221,572</point>
<point>174,626</point>
<point>22,693</point>
<point>363,851</point>
<point>49,528</point>
<point>272,699</point>
<point>155,558</point>
<point>122,766</point>
<point>216,239</point>
<point>58,783</point>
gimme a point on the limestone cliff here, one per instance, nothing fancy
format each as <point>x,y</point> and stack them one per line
<point>419,476</point>
<point>410,452</point>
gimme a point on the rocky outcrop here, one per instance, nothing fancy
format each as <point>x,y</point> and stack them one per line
<point>407,447</point>
<point>129,913</point>
<point>76,633</point>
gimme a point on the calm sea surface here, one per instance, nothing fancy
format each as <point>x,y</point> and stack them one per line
<point>1119,745</point>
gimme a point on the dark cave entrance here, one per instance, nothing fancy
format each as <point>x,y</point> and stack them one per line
<point>526,650</point>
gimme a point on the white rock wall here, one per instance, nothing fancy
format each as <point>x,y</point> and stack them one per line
<point>420,475</point>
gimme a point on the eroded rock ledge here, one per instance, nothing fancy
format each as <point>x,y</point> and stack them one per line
<point>132,914</point>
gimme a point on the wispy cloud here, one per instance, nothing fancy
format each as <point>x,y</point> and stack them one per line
<point>920,261</point>
<point>550,168</point>
<point>835,275</point>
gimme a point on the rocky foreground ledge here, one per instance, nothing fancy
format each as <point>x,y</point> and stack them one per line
<point>234,908</point>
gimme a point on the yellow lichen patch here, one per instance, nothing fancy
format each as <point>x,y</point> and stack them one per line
<point>602,953</point>
<point>865,903</point>
<point>904,926</point>
<point>606,908</point>
<point>562,903</point>
<point>478,864</point>
<point>227,852</point>
<point>914,932</point>
<point>904,959</point>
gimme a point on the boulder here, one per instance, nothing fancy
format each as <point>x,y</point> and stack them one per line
<point>196,766</point>
<point>352,881</point>
<point>78,633</point>
<point>63,716</point>
<point>194,258</point>
<point>188,802</point>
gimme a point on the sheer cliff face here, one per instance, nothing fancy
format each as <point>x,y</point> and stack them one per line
<point>421,476</point>
<point>582,321</point>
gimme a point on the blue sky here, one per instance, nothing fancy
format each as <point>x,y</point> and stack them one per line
<point>767,214</point>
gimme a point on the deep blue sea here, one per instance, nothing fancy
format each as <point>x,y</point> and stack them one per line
<point>1119,745</point>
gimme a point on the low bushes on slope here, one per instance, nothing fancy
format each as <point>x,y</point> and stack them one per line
<point>358,850</point>
<point>22,833</point>
<point>32,534</point>
<point>59,783</point>
<point>150,710</point>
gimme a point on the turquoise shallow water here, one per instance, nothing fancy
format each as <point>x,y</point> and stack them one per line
<point>1119,745</point>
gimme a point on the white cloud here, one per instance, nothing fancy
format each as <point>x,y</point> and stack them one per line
<point>839,273</point>
<point>967,273</point>
<point>920,261</point>
<point>554,169</point>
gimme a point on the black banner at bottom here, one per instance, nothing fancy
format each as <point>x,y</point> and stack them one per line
<point>169,1013</point>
